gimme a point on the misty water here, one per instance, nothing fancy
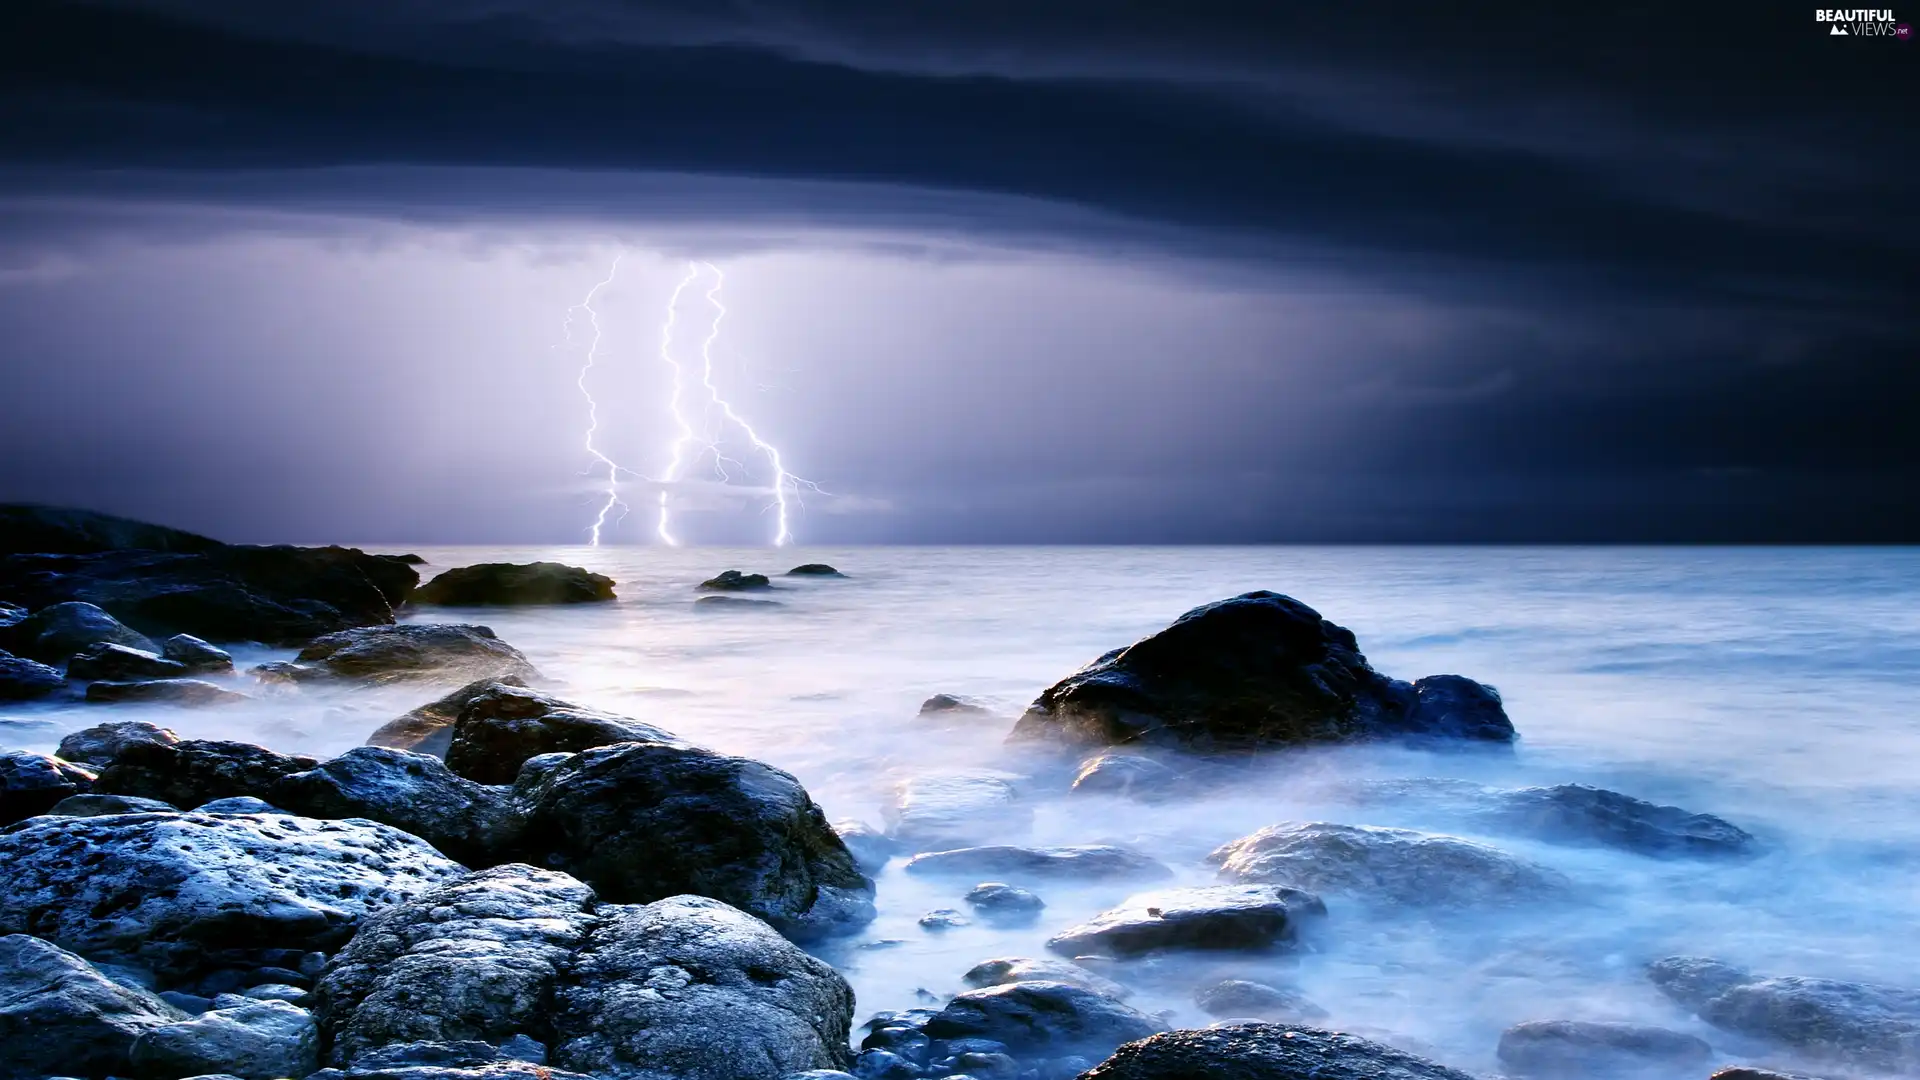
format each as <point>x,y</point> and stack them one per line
<point>1773,687</point>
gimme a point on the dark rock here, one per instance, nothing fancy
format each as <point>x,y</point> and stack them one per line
<point>503,726</point>
<point>429,728</point>
<point>503,1069</point>
<point>1044,969</point>
<point>1745,1072</point>
<point>1858,1025</point>
<point>1208,917</point>
<point>192,773</point>
<point>461,1053</point>
<point>1576,813</point>
<point>57,631</point>
<point>105,660</point>
<point>188,893</point>
<point>1004,903</point>
<point>884,1065</point>
<point>58,1014</point>
<point>709,603</point>
<point>814,569</point>
<point>1043,1018</point>
<point>499,584</point>
<point>238,804</point>
<point>947,707</point>
<point>905,1040</point>
<point>1579,1048</point>
<point>1243,997</point>
<point>1079,863</point>
<point>32,784</point>
<point>29,528</point>
<point>943,919</point>
<point>730,580</point>
<point>191,1004</point>
<point>101,743</point>
<point>199,657</point>
<point>274,975</point>
<point>470,823</point>
<point>1389,866</point>
<point>189,692</point>
<point>871,848</point>
<point>385,654</point>
<point>1134,776</point>
<point>951,809</point>
<point>258,1041</point>
<point>1253,671</point>
<point>103,805</point>
<point>22,679</point>
<point>1265,1052</point>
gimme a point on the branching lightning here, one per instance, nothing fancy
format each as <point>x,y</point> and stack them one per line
<point>676,406</point>
<point>593,407</point>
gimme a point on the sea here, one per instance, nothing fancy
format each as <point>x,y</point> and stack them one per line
<point>1775,687</point>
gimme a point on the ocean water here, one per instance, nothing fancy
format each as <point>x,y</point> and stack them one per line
<point>1774,687</point>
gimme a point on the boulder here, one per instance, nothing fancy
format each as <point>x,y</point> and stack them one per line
<point>1265,1052</point>
<point>502,726</point>
<point>871,848</point>
<point>503,584</point>
<point>1078,863</point>
<point>261,1040</point>
<point>1578,814</point>
<point>1133,776</point>
<point>1582,1048</point>
<point>60,1016</point>
<point>1384,866</point>
<point>814,569</point>
<point>188,692</point>
<point>950,809</point>
<point>1000,902</point>
<point>1243,997</point>
<point>199,657</point>
<point>195,772</point>
<point>413,651</point>
<point>238,804</point>
<point>29,528</point>
<point>1857,1025</point>
<point>106,660</point>
<point>32,784</point>
<point>943,919</point>
<point>1249,917</point>
<point>22,679</point>
<point>101,743</point>
<point>429,728</point>
<point>1257,670</point>
<point>950,708</point>
<point>470,823</point>
<point>734,580</point>
<point>58,631</point>
<point>184,894</point>
<point>1029,969</point>
<point>1043,1018</point>
<point>104,805</point>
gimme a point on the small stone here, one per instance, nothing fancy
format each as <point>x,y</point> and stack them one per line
<point>1000,901</point>
<point>943,919</point>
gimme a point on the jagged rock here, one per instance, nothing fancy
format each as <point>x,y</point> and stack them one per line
<point>57,631</point>
<point>1133,776</point>
<point>503,726</point>
<point>1265,1052</point>
<point>1029,969</point>
<point>1004,903</point>
<point>1243,997</point>
<point>60,1015</point>
<point>195,772</point>
<point>814,569</point>
<point>1390,866</point>
<point>470,823</point>
<point>871,848</point>
<point>1576,813</point>
<point>500,584</point>
<point>257,1041</point>
<point>192,692</point>
<point>104,805</point>
<point>1079,863</point>
<point>199,657</point>
<point>731,580</point>
<point>956,808</point>
<point>1208,917</point>
<point>1559,1048</point>
<point>1259,669</point>
<point>429,728</point>
<point>188,893</point>
<point>106,660</point>
<point>384,654</point>
<point>32,784</point>
<point>101,743</point>
<point>22,679</point>
<point>1860,1025</point>
<point>1043,1018</point>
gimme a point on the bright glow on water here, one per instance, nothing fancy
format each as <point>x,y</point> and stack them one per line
<point>1772,687</point>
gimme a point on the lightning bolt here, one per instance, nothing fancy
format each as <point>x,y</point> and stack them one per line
<point>593,407</point>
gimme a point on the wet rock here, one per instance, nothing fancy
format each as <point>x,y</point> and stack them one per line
<point>1243,997</point>
<point>1746,1072</point>
<point>468,822</point>
<point>1209,917</point>
<point>59,1014</point>
<point>195,772</point>
<point>949,708</point>
<point>644,821</point>
<point>1256,670</point>
<point>1074,862</point>
<point>189,692</point>
<point>814,569</point>
<point>503,726</point>
<point>1043,1018</point>
<point>287,992</point>
<point>188,893</point>
<point>32,784</point>
<point>723,603</point>
<point>1858,1025</point>
<point>1133,776</point>
<point>1029,969</point>
<point>106,660</point>
<point>943,919</point>
<point>429,728</point>
<point>1386,866</point>
<point>257,1041</point>
<point>1001,902</point>
<point>30,528</point>
<point>58,631</point>
<point>502,584</point>
<point>884,1065</point>
<point>414,651</point>
<point>239,804</point>
<point>22,679</point>
<point>199,657</point>
<point>1576,813</point>
<point>101,743</point>
<point>502,1069</point>
<point>1266,1052</point>
<point>1582,1048</point>
<point>871,848</point>
<point>734,580</point>
<point>954,808</point>
<point>103,805</point>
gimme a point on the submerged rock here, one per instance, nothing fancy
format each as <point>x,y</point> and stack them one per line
<point>870,847</point>
<point>22,679</point>
<point>429,728</point>
<point>58,631</point>
<point>105,660</point>
<point>712,603</point>
<point>501,727</point>
<point>956,808</point>
<point>1243,997</point>
<point>1860,1025</point>
<point>199,657</point>
<point>1578,814</point>
<point>32,784</point>
<point>471,823</point>
<point>195,772</point>
<point>1001,902</point>
<point>729,580</point>
<point>1388,866</point>
<point>1080,863</point>
<point>60,1016</point>
<point>950,708</point>
<point>1029,969</point>
<point>260,1040</point>
<point>814,569</point>
<point>102,743</point>
<point>1581,1048</point>
<point>1250,917</point>
<point>1043,1018</point>
<point>1133,776</point>
<point>383,654</point>
<point>190,692</point>
<point>1265,1052</point>
<point>500,584</point>
<point>1256,670</point>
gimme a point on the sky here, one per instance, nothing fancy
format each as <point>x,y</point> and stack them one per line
<point>994,272</point>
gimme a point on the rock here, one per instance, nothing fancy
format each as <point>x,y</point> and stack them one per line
<point>500,584</point>
<point>1243,997</point>
<point>955,808</point>
<point>1043,1018</point>
<point>429,728</point>
<point>1134,776</point>
<point>723,603</point>
<point>191,1004</point>
<point>22,679</point>
<point>1385,866</point>
<point>258,1041</point>
<point>192,773</point>
<point>470,823</point>
<point>385,654</point>
<point>1078,863</point>
<point>199,657</point>
<point>1256,670</point>
<point>870,847</point>
<point>948,708</point>
<point>58,631</point>
<point>1265,1052</point>
<point>1858,1025</point>
<point>1576,813</point>
<point>503,726</point>
<point>884,1065</point>
<point>1004,903</point>
<point>32,784</point>
<point>101,743</point>
<point>188,893</point>
<point>105,660</point>
<point>191,692</point>
<point>60,1014</point>
<point>287,992</point>
<point>1743,1072</point>
<point>502,1069</point>
<point>731,580</point>
<point>1577,1048</point>
<point>1028,969</point>
<point>239,804</point>
<point>644,821</point>
<point>814,569</point>
<point>943,919</point>
<point>1207,917</point>
<point>103,805</point>
<point>29,528</point>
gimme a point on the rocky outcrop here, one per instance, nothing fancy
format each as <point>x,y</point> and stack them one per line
<point>514,584</point>
<point>471,823</point>
<point>100,744</point>
<point>199,657</point>
<point>1581,1048</point>
<point>1578,814</point>
<point>1250,917</point>
<point>734,580</point>
<point>195,772</point>
<point>1859,1025</point>
<point>1257,670</point>
<point>1029,969</point>
<point>429,728</point>
<point>1385,866</point>
<point>22,679</point>
<point>414,651</point>
<point>186,692</point>
<point>502,726</point>
<point>952,809</point>
<point>54,633</point>
<point>59,1016</point>
<point>29,528</point>
<point>1078,863</point>
<point>1265,1052</point>
<point>105,660</point>
<point>32,784</point>
<point>1043,1019</point>
<point>260,1040</point>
